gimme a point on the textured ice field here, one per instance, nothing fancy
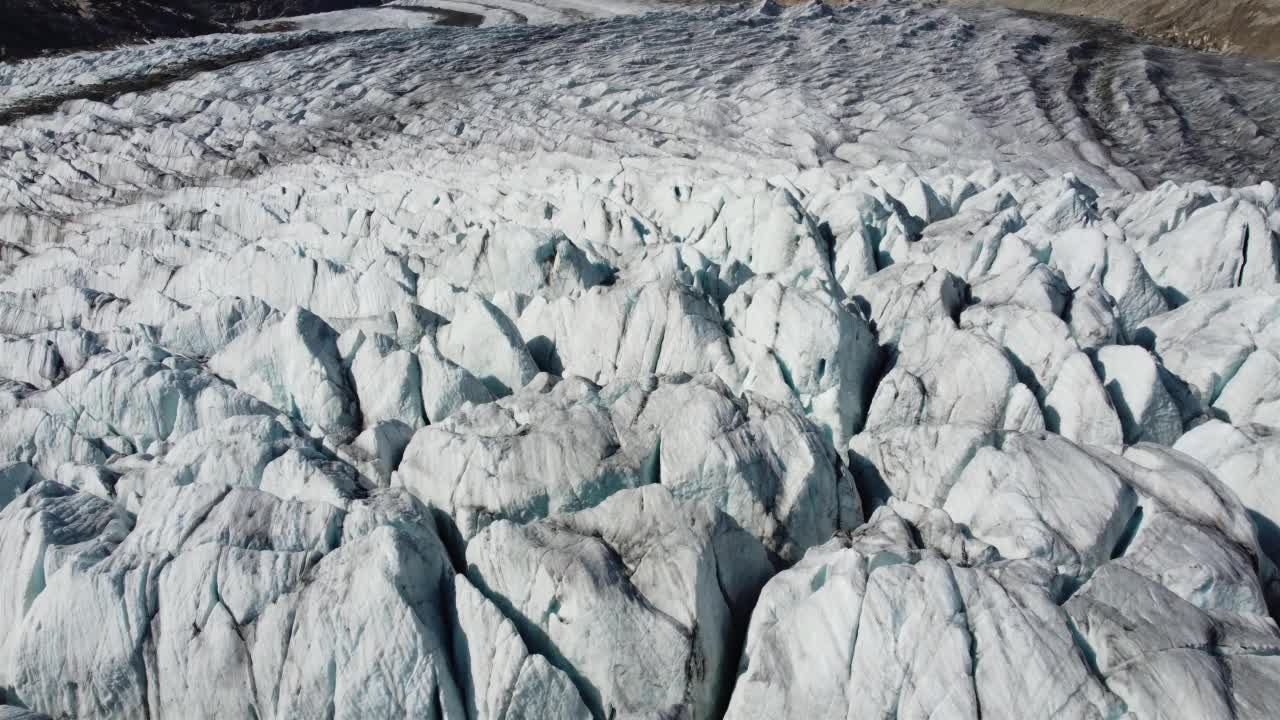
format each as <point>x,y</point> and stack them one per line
<point>422,13</point>
<point>615,361</point>
<point>356,19</point>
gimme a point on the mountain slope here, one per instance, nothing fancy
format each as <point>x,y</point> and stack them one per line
<point>1251,27</point>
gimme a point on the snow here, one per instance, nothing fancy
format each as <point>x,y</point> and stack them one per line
<point>622,360</point>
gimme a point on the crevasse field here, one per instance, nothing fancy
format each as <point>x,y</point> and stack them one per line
<point>611,361</point>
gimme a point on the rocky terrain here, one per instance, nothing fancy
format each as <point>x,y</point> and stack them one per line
<point>883,361</point>
<point>1242,26</point>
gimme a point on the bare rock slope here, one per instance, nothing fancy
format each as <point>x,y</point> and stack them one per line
<point>1246,26</point>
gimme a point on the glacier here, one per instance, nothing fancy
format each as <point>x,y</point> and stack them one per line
<point>637,360</point>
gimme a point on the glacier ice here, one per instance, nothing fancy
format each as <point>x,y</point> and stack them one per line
<point>624,360</point>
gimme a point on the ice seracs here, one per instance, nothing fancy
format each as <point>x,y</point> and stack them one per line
<point>976,629</point>
<point>294,365</point>
<point>557,447</point>
<point>639,582</point>
<point>877,621</point>
<point>1148,644</point>
<point>742,362</point>
<point>270,592</point>
<point>1136,385</point>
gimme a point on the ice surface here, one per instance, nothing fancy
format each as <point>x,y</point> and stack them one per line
<point>619,360</point>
